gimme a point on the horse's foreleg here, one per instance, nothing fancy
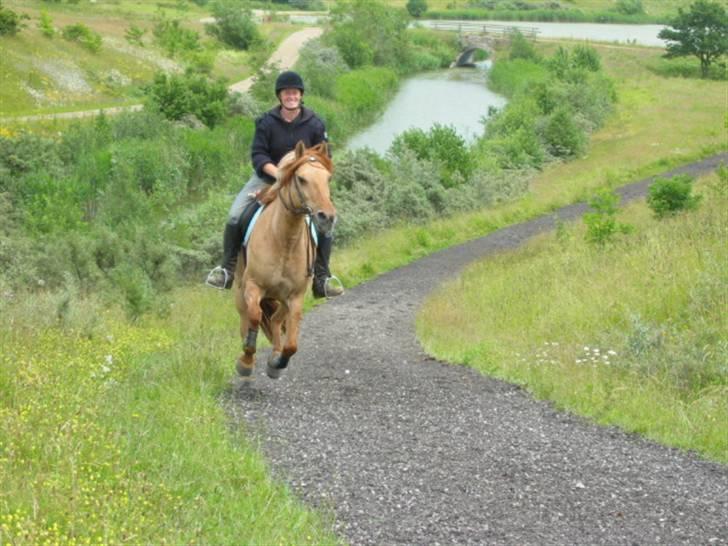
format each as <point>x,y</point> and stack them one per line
<point>279,363</point>
<point>249,328</point>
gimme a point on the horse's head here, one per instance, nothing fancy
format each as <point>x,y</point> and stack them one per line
<point>306,175</point>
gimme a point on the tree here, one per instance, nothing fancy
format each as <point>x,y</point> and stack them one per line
<point>702,32</point>
<point>416,7</point>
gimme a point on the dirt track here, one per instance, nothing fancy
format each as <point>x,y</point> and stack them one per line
<point>403,449</point>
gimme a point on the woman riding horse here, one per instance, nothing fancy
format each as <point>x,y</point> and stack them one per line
<point>276,133</point>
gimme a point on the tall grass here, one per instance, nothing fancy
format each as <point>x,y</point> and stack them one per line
<point>112,433</point>
<point>633,335</point>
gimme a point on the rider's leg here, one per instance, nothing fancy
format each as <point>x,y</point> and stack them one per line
<point>324,284</point>
<point>222,276</point>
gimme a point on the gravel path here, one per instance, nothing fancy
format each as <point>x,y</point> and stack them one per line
<point>403,449</point>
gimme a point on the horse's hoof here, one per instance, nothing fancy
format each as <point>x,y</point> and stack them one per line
<point>272,372</point>
<point>243,370</point>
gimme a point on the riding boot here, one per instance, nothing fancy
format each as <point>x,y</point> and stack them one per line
<point>222,276</point>
<point>323,287</point>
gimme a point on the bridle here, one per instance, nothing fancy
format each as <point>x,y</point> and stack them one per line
<point>302,210</point>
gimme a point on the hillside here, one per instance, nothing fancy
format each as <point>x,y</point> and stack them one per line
<point>45,74</point>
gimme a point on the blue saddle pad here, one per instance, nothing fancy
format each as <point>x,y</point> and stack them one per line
<point>255,217</point>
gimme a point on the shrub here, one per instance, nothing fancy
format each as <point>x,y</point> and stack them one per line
<point>45,24</point>
<point>84,36</point>
<point>521,48</point>
<point>176,96</point>
<point>233,25</point>
<point>134,35</point>
<point>368,31</point>
<point>174,38</point>
<point>562,136</point>
<point>601,224</point>
<point>669,196</point>
<point>10,21</point>
<point>441,145</point>
<point>416,7</point>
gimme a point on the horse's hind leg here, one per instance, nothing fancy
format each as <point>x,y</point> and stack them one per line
<point>250,314</point>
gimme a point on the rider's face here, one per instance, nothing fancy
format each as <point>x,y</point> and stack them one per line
<point>290,98</point>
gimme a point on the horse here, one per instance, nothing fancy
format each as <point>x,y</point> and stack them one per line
<point>275,270</point>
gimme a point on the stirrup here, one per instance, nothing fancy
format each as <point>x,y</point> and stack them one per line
<point>227,278</point>
<point>337,291</point>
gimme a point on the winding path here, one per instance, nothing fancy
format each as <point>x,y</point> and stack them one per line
<point>402,449</point>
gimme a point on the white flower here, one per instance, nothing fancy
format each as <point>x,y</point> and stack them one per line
<point>109,360</point>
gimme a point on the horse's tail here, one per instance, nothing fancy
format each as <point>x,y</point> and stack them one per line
<point>268,307</point>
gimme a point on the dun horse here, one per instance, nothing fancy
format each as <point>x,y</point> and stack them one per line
<point>271,282</point>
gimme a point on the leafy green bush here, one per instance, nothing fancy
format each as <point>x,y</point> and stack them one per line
<point>630,7</point>
<point>562,135</point>
<point>10,21</point>
<point>521,48</point>
<point>45,24</point>
<point>171,36</point>
<point>233,25</point>
<point>82,34</point>
<point>601,224</point>
<point>134,35</point>
<point>669,196</point>
<point>416,7</point>
<point>177,96</point>
<point>369,31</point>
<point>441,145</point>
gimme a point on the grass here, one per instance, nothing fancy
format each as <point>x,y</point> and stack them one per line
<point>113,432</point>
<point>41,75</point>
<point>633,335</point>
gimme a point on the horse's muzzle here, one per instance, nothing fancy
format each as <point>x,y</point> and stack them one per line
<point>324,222</point>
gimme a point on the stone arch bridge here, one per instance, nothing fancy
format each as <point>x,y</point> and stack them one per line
<point>474,36</point>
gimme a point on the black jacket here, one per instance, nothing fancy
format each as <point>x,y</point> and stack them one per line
<point>275,137</point>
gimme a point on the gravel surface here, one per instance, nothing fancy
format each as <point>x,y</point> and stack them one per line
<point>402,449</point>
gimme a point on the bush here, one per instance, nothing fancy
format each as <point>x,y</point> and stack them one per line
<point>562,136</point>
<point>669,196</point>
<point>416,7</point>
<point>45,24</point>
<point>521,48</point>
<point>177,96</point>
<point>441,145</point>
<point>601,224</point>
<point>84,36</point>
<point>233,25</point>
<point>134,35</point>
<point>630,7</point>
<point>174,38</point>
<point>10,21</point>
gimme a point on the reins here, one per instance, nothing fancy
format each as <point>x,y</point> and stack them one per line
<point>302,210</point>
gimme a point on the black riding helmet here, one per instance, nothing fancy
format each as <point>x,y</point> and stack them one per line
<point>289,80</point>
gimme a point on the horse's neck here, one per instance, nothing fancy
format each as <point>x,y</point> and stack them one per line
<point>287,227</point>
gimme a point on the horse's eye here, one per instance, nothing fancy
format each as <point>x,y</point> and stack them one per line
<point>302,180</point>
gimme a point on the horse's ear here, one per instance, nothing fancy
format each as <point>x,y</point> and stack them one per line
<point>300,148</point>
<point>324,148</point>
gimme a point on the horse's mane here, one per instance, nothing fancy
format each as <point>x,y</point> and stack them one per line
<point>317,153</point>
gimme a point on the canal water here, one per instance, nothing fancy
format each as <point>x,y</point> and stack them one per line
<point>458,97</point>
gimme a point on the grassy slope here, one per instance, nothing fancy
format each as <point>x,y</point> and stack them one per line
<point>633,335</point>
<point>29,58</point>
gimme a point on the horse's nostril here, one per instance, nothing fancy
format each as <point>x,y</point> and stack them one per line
<point>322,216</point>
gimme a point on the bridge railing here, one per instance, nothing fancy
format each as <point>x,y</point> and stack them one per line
<point>483,28</point>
